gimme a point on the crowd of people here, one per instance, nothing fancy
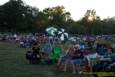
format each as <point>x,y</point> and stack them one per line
<point>87,53</point>
<point>84,51</point>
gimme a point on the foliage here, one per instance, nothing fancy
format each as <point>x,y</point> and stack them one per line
<point>16,16</point>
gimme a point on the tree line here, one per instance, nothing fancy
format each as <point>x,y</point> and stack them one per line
<point>17,16</point>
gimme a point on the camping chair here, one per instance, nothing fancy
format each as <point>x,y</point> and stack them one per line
<point>92,60</point>
<point>55,55</point>
<point>79,63</point>
<point>112,56</point>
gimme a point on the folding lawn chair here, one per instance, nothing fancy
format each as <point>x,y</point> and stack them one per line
<point>56,53</point>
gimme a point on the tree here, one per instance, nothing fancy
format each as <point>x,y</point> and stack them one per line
<point>59,15</point>
<point>41,21</point>
<point>89,18</point>
<point>17,16</point>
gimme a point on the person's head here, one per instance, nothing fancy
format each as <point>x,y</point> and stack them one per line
<point>77,46</point>
<point>109,50</point>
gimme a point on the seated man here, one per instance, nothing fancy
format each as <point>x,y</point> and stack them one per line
<point>101,66</point>
<point>34,57</point>
<point>111,67</point>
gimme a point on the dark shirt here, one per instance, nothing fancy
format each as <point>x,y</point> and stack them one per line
<point>77,55</point>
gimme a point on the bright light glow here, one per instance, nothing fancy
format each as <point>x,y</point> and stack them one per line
<point>77,8</point>
<point>90,18</point>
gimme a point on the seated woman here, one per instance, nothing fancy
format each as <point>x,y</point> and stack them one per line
<point>73,56</point>
<point>65,58</point>
<point>77,58</point>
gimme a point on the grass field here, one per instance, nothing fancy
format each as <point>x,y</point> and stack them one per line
<point>14,64</point>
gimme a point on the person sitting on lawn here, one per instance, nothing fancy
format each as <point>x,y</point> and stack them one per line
<point>29,56</point>
<point>34,56</point>
<point>73,56</point>
<point>77,58</point>
<point>65,57</point>
<point>100,66</point>
<point>111,67</point>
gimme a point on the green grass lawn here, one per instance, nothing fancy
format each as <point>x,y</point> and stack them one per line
<point>14,64</point>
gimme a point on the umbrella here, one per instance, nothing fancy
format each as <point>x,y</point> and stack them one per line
<point>63,35</point>
<point>51,30</point>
